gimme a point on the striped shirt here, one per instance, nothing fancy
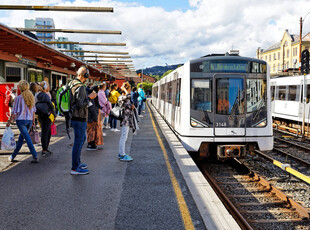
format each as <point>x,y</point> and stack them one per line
<point>21,110</point>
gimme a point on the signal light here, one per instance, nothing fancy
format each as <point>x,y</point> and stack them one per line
<point>305,62</point>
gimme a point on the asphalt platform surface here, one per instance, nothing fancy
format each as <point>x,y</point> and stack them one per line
<point>115,195</point>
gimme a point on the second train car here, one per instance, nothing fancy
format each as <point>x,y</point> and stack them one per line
<point>218,104</point>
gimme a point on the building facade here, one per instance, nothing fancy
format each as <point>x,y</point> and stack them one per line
<point>42,23</point>
<point>70,47</point>
<point>283,57</point>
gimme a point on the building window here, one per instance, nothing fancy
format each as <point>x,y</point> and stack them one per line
<point>274,67</point>
<point>278,55</point>
<point>295,51</point>
<point>288,53</point>
<point>13,74</point>
<point>279,67</point>
<point>269,57</point>
<point>274,56</point>
<point>287,64</point>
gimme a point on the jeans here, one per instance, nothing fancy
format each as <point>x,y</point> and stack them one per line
<point>140,106</point>
<point>24,126</point>
<point>79,128</point>
<point>123,139</point>
<point>46,132</point>
<point>113,121</point>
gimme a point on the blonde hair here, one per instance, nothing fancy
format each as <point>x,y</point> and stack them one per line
<point>126,85</point>
<point>26,93</point>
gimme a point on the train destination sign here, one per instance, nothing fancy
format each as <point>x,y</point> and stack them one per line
<point>229,67</point>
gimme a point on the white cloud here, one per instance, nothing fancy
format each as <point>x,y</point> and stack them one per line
<point>155,36</point>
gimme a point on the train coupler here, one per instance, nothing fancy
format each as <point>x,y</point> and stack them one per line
<point>231,151</point>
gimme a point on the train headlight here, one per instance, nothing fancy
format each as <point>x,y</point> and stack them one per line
<point>261,124</point>
<point>194,123</point>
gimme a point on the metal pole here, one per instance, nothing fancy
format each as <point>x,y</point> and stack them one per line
<point>56,8</point>
<point>300,41</point>
<point>304,105</point>
<point>70,31</point>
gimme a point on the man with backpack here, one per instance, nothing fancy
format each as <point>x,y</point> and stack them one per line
<point>79,112</point>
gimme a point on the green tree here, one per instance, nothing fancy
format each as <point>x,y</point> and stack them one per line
<point>147,86</point>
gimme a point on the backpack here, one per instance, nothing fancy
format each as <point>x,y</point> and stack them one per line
<point>64,102</point>
<point>64,98</point>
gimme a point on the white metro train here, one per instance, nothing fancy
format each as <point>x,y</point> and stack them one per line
<point>218,104</point>
<point>290,98</point>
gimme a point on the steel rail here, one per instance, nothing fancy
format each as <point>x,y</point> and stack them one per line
<point>285,167</point>
<point>292,143</point>
<point>228,204</point>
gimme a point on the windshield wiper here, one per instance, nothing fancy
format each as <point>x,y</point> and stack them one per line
<point>260,106</point>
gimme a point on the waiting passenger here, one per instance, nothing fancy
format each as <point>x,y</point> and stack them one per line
<point>113,97</point>
<point>45,107</point>
<point>94,123</point>
<point>127,122</point>
<point>23,112</point>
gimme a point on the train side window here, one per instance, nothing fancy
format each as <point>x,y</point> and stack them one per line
<point>308,93</point>
<point>281,92</point>
<point>293,93</point>
<point>201,94</point>
<point>169,92</point>
<point>163,92</point>
<point>178,93</point>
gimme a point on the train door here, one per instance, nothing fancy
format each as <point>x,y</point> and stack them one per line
<point>229,105</point>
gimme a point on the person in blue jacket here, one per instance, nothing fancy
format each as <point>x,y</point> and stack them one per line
<point>141,99</point>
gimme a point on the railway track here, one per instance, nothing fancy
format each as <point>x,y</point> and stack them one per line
<point>253,200</point>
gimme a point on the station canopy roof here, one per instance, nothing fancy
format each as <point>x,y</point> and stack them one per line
<point>19,48</point>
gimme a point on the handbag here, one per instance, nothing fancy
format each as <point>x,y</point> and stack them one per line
<point>53,129</point>
<point>117,112</point>
<point>34,135</point>
<point>8,140</point>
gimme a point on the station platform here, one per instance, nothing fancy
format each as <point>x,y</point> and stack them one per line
<point>160,189</point>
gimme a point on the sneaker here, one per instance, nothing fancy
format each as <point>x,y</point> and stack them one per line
<point>116,130</point>
<point>11,159</point>
<point>83,166</point>
<point>35,160</point>
<point>140,115</point>
<point>44,154</point>
<point>91,147</point>
<point>49,152</point>
<point>125,158</point>
<point>143,111</point>
<point>104,134</point>
<point>79,171</point>
<point>112,130</point>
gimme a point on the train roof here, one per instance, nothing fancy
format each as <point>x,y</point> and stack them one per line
<point>214,57</point>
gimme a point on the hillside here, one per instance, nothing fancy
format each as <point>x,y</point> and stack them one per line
<point>157,70</point>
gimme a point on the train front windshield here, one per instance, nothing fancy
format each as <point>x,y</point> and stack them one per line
<point>236,97</point>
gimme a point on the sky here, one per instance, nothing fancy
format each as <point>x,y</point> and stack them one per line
<point>175,31</point>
